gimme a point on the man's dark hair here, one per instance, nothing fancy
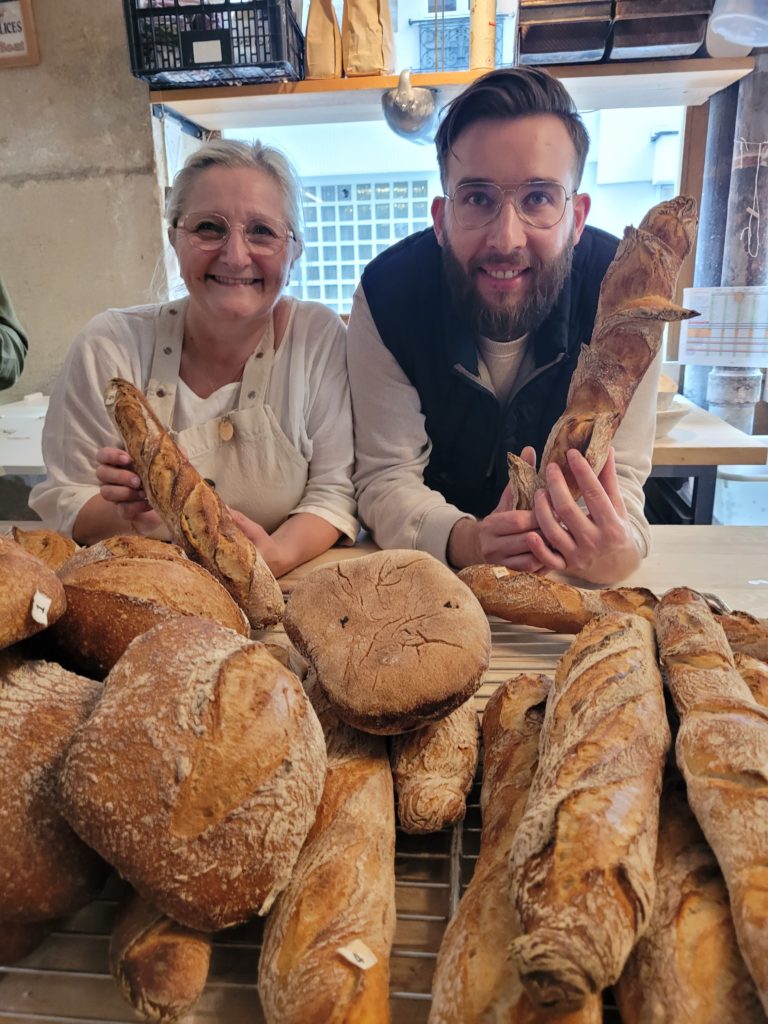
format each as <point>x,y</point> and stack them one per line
<point>507,94</point>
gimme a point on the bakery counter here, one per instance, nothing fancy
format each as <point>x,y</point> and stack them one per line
<point>67,979</point>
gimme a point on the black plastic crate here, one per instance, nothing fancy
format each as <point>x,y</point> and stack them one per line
<point>187,44</point>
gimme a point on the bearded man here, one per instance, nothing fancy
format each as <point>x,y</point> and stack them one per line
<point>463,339</point>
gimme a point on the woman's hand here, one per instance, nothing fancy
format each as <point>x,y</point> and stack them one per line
<point>121,487</point>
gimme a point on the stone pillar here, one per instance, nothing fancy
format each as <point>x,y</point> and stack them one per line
<point>733,392</point>
<point>721,126</point>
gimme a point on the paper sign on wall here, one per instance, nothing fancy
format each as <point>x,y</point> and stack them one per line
<point>731,330</point>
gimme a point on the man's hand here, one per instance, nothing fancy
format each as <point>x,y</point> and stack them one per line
<point>122,488</point>
<point>502,538</point>
<point>596,544</point>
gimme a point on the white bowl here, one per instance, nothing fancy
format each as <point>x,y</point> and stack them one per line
<point>666,419</point>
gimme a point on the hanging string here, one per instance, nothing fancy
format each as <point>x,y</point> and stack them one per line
<point>751,238</point>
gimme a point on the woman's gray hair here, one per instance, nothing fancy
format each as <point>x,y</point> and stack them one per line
<point>229,153</point>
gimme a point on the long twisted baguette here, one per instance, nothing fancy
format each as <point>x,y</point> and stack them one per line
<point>687,968</point>
<point>530,600</point>
<point>475,980</point>
<point>635,302</point>
<point>195,515</point>
<point>582,858</point>
<point>722,751</point>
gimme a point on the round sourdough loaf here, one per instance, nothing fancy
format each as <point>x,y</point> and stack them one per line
<point>31,594</point>
<point>50,547</point>
<point>396,639</point>
<point>110,602</point>
<point>45,869</point>
<point>199,774</point>
<point>132,546</point>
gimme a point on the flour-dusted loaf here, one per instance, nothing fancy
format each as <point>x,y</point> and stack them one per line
<point>199,773</point>
<point>722,751</point>
<point>636,299</point>
<point>45,870</point>
<point>754,672</point>
<point>160,966</point>
<point>746,634</point>
<point>475,979</point>
<point>194,514</point>
<point>20,938</point>
<point>31,594</point>
<point>582,858</point>
<point>433,769</point>
<point>396,640</point>
<point>50,547</point>
<point>111,601</point>
<point>327,941</point>
<point>119,546</point>
<point>687,968</point>
<point>530,600</point>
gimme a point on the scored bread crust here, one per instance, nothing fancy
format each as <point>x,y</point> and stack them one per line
<point>194,514</point>
<point>22,578</point>
<point>581,863</point>
<point>342,891</point>
<point>199,773</point>
<point>160,966</point>
<point>49,546</point>
<point>636,300</point>
<point>119,546</point>
<point>722,752</point>
<point>754,672</point>
<point>746,634</point>
<point>111,601</point>
<point>45,870</point>
<point>396,640</point>
<point>433,769</point>
<point>475,980</point>
<point>687,968</point>
<point>530,600</point>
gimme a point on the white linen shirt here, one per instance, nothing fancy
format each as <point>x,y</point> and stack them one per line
<point>308,393</point>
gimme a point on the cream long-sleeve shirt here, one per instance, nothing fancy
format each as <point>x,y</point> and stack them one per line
<point>392,448</point>
<point>308,393</point>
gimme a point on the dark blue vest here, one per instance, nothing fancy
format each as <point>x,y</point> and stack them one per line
<point>470,432</point>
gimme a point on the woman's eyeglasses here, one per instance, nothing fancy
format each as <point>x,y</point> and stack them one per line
<point>538,203</point>
<point>210,231</point>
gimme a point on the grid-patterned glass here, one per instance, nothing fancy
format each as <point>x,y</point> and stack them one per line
<point>353,219</point>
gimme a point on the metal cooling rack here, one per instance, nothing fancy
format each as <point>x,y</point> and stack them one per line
<point>67,981</point>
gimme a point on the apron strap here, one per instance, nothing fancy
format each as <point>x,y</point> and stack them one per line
<point>166,360</point>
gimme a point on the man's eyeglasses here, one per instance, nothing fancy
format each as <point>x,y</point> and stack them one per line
<point>210,231</point>
<point>538,203</point>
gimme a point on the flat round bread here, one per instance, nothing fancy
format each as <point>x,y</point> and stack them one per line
<point>396,639</point>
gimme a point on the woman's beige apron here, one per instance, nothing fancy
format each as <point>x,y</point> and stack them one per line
<point>246,454</point>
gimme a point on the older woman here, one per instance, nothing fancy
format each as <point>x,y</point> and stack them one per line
<point>251,383</point>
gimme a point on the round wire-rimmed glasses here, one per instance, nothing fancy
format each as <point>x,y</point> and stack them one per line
<point>476,204</point>
<point>210,231</point>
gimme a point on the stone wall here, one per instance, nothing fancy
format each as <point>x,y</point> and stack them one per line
<point>80,202</point>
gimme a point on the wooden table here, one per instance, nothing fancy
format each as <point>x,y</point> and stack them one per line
<point>730,561</point>
<point>696,446</point>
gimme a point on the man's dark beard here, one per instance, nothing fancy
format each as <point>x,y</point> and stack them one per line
<point>501,323</point>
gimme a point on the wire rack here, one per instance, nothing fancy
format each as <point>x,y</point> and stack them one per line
<point>67,979</point>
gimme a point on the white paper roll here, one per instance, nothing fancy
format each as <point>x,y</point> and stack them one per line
<point>482,34</point>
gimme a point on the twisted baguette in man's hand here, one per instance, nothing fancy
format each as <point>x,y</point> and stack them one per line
<point>194,514</point>
<point>635,302</point>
